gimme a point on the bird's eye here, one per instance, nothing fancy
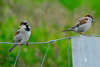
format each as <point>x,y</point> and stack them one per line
<point>25,23</point>
<point>22,23</point>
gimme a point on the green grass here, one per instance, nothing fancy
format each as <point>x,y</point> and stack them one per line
<point>47,19</point>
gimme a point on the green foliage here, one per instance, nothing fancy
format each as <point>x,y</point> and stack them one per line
<point>47,19</point>
<point>71,4</point>
<point>95,6</point>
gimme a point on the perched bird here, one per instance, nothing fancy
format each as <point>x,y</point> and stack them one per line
<point>22,35</point>
<point>82,25</point>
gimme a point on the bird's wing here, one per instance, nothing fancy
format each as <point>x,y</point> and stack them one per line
<point>17,37</point>
<point>81,21</point>
<point>17,32</point>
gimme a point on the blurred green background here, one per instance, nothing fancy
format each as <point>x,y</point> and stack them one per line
<point>47,19</point>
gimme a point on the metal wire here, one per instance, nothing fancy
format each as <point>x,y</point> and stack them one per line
<point>50,40</point>
<point>45,55</point>
<point>17,56</point>
<point>68,53</point>
<point>48,46</point>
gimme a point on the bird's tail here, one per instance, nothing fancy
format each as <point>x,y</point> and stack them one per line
<point>68,30</point>
<point>10,50</point>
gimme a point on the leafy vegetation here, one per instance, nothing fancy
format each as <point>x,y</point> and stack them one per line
<point>47,19</point>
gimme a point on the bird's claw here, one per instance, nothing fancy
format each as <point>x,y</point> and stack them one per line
<point>85,34</point>
<point>27,43</point>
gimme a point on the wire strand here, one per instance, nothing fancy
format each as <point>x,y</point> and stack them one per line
<point>68,53</point>
<point>17,56</point>
<point>48,46</point>
<point>45,55</point>
<point>50,40</point>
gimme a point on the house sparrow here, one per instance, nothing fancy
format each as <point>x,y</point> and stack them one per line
<point>82,25</point>
<point>22,35</point>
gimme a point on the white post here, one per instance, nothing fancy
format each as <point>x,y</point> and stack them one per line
<point>86,51</point>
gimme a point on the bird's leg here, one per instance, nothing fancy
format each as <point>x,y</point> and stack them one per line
<point>21,44</point>
<point>82,33</point>
<point>27,43</point>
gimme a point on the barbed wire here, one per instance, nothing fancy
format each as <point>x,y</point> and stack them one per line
<point>48,46</point>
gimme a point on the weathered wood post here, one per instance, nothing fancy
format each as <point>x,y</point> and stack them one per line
<point>86,51</point>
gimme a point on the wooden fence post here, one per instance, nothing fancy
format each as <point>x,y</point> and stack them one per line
<point>86,51</point>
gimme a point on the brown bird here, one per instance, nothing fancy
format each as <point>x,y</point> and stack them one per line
<point>22,35</point>
<point>82,25</point>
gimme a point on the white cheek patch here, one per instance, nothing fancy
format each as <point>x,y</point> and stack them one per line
<point>90,19</point>
<point>22,26</point>
<point>29,26</point>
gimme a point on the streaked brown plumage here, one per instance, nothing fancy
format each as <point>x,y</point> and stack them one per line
<point>22,34</point>
<point>82,25</point>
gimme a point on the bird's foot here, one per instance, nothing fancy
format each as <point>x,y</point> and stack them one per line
<point>85,34</point>
<point>21,44</point>
<point>27,43</point>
